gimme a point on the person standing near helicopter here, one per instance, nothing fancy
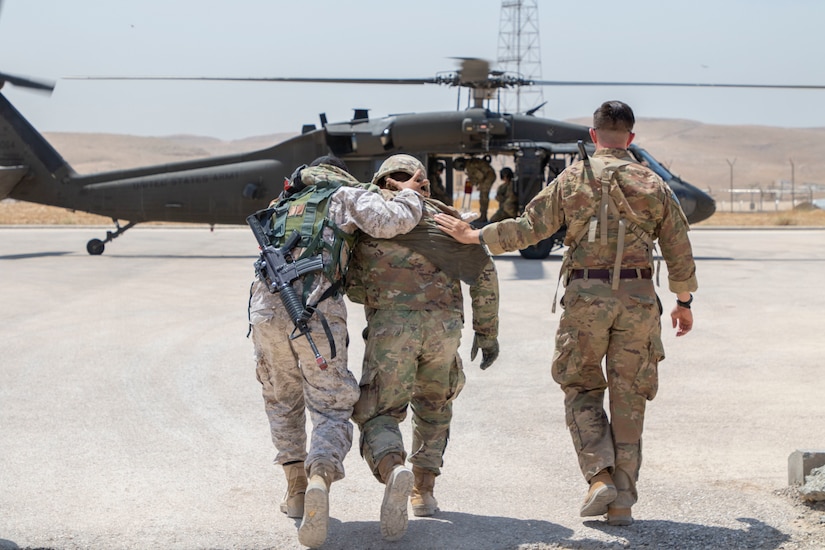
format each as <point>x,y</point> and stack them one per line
<point>506,196</point>
<point>614,209</point>
<point>482,176</point>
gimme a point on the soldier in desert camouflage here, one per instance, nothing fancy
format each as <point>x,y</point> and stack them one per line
<point>614,210</point>
<point>410,286</point>
<point>286,367</point>
<point>482,176</point>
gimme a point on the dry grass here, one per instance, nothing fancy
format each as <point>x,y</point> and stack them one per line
<point>27,213</point>
<point>801,218</point>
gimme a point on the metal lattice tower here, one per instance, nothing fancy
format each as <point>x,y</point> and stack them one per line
<point>519,52</point>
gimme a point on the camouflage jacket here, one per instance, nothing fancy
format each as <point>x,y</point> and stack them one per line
<point>507,199</point>
<point>573,199</point>
<point>385,274</point>
<point>355,206</point>
<point>480,173</point>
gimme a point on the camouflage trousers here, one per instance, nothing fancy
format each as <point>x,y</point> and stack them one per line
<point>292,383</point>
<point>410,360</point>
<point>623,328</point>
<point>484,199</point>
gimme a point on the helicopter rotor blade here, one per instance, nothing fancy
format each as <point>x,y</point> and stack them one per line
<point>474,73</point>
<point>675,84</point>
<point>23,82</point>
<point>403,81</point>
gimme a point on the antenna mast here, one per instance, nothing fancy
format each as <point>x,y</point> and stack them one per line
<point>519,52</point>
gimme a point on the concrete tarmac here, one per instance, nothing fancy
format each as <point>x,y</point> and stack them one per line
<point>130,416</point>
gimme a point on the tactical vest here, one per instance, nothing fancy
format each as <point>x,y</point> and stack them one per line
<point>307,212</point>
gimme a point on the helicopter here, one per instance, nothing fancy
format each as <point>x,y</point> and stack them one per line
<point>225,189</point>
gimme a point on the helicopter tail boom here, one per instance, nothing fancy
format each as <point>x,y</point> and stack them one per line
<point>29,165</point>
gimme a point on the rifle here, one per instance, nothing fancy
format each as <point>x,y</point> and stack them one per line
<point>583,154</point>
<point>278,270</point>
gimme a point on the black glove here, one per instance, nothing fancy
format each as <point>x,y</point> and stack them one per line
<point>489,350</point>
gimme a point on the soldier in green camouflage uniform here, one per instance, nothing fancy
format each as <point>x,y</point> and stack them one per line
<point>482,176</point>
<point>437,189</point>
<point>411,289</point>
<point>614,210</point>
<point>506,197</point>
<point>286,368</point>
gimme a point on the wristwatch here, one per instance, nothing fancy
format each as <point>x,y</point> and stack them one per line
<point>685,305</point>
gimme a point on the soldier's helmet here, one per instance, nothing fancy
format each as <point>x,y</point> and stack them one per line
<point>398,163</point>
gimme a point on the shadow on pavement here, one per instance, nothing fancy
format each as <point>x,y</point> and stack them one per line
<point>32,255</point>
<point>673,534</point>
<point>449,530</point>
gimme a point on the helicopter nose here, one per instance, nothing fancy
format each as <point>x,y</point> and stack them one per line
<point>696,204</point>
<point>704,209</point>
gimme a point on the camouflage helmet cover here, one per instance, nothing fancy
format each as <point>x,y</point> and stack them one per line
<point>398,163</point>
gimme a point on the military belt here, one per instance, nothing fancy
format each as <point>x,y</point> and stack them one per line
<point>604,274</point>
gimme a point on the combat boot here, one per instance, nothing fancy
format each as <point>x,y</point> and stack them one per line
<point>602,492</point>
<point>398,481</point>
<point>422,499</point>
<point>620,517</point>
<point>313,529</point>
<point>296,486</point>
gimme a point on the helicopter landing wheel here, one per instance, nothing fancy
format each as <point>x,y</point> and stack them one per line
<point>95,247</point>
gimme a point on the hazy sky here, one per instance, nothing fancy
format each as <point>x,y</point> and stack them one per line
<point>736,41</point>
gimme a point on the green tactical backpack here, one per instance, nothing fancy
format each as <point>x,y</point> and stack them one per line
<point>306,210</point>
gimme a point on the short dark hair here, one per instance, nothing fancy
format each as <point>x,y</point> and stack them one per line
<point>506,172</point>
<point>614,115</point>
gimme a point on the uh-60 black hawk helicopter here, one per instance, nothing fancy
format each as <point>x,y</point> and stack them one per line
<point>225,190</point>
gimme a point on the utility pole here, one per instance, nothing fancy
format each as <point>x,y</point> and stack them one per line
<point>519,52</point>
<point>731,182</point>
<point>793,184</point>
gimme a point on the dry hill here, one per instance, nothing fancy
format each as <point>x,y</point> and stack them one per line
<point>699,153</point>
<point>761,155</point>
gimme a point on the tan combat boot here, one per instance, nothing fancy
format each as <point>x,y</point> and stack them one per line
<point>602,492</point>
<point>620,517</point>
<point>313,529</point>
<point>422,499</point>
<point>296,486</point>
<point>399,482</point>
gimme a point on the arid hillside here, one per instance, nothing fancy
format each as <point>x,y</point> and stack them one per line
<point>702,154</point>
<point>761,155</point>
<point>699,153</point>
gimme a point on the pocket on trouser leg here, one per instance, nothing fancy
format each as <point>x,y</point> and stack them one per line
<point>647,380</point>
<point>367,404</point>
<point>457,378</point>
<point>567,357</point>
